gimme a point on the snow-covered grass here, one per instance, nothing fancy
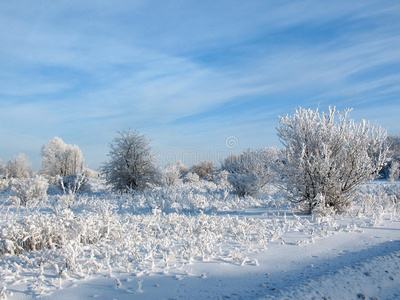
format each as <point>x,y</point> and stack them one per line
<point>183,231</point>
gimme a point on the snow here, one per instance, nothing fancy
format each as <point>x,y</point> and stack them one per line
<point>349,256</point>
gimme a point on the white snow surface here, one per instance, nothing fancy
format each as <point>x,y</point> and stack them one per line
<point>242,249</point>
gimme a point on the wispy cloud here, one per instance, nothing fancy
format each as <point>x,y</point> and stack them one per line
<point>188,73</point>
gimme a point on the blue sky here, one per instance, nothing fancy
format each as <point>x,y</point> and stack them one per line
<point>190,75</point>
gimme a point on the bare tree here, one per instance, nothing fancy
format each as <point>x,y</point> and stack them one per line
<point>131,165</point>
<point>327,158</point>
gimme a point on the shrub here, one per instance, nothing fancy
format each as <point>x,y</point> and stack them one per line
<point>73,183</point>
<point>174,171</point>
<point>171,174</point>
<point>251,162</point>
<point>389,170</point>
<point>191,177</point>
<point>27,189</point>
<point>19,167</point>
<point>245,184</point>
<point>183,170</point>
<point>220,178</point>
<point>328,158</point>
<point>61,159</point>
<point>203,168</point>
<point>131,165</point>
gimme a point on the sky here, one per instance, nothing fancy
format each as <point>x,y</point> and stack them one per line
<point>200,79</point>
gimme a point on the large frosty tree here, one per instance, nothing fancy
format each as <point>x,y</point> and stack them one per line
<point>131,164</point>
<point>61,159</point>
<point>327,159</point>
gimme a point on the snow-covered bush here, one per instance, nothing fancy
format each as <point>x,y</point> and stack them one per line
<point>26,189</point>
<point>378,200</point>
<point>175,171</point>
<point>203,168</point>
<point>61,159</point>
<point>245,185</point>
<point>329,157</point>
<point>131,165</point>
<point>220,178</point>
<point>19,167</point>
<point>259,163</point>
<point>73,183</point>
<point>392,169</point>
<point>183,170</point>
<point>191,177</point>
<point>393,143</point>
<point>171,174</point>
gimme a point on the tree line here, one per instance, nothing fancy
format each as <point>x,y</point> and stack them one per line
<point>326,157</point>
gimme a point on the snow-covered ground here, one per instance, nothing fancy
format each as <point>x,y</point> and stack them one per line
<point>209,245</point>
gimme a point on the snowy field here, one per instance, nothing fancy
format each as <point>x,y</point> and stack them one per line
<point>198,241</point>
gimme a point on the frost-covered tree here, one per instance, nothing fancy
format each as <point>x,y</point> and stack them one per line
<point>328,158</point>
<point>131,164</point>
<point>255,168</point>
<point>61,159</point>
<point>19,167</point>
